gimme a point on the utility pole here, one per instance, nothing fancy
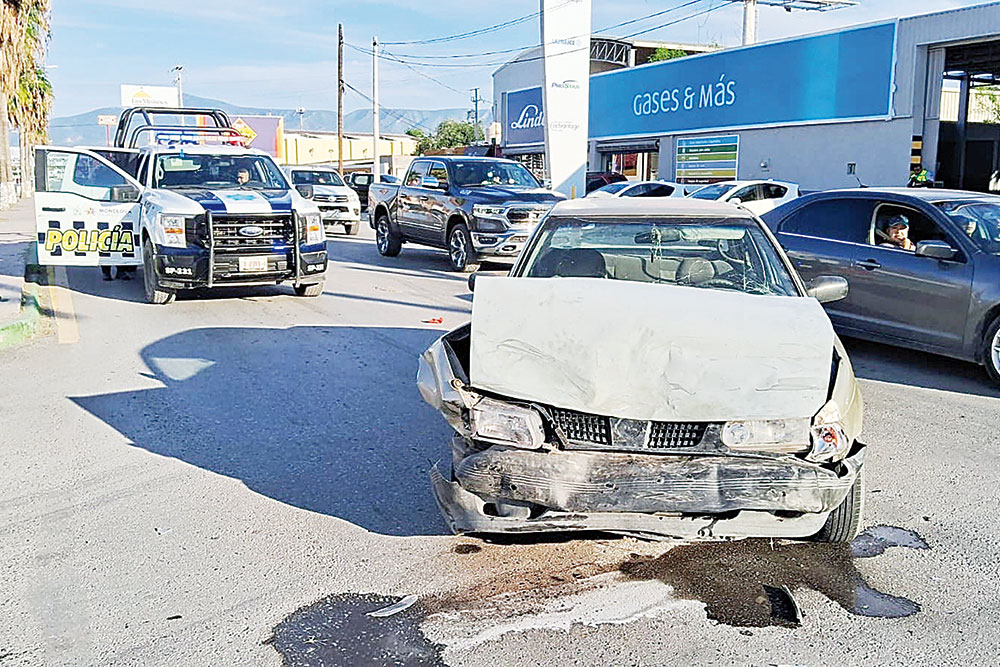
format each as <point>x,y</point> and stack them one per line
<point>749,22</point>
<point>301,112</point>
<point>340,97</point>
<point>750,11</point>
<point>476,101</point>
<point>376,167</point>
<point>179,82</point>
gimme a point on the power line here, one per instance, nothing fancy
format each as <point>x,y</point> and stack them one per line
<point>400,115</point>
<point>479,31</point>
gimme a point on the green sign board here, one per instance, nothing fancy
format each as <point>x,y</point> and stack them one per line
<point>707,159</point>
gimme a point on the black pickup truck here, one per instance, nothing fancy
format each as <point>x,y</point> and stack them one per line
<point>472,207</point>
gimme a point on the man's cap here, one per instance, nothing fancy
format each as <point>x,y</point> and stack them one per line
<point>897,221</point>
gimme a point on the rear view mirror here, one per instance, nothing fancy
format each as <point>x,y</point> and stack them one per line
<point>672,234</point>
<point>827,289</point>
<point>124,194</point>
<point>935,250</point>
<point>305,190</point>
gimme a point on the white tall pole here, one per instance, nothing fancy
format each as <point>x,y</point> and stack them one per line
<point>376,167</point>
<point>749,22</point>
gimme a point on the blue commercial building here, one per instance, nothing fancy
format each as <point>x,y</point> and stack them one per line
<point>825,110</point>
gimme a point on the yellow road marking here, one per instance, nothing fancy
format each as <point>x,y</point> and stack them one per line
<point>67,330</point>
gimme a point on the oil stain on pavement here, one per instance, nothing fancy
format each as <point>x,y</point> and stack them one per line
<point>338,630</point>
<point>749,583</point>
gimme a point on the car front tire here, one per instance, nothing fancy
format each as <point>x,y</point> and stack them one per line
<point>461,253</point>
<point>991,350</point>
<point>844,522</point>
<point>151,286</point>
<point>351,228</point>
<point>386,240</point>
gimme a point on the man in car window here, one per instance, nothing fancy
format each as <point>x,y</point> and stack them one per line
<point>242,176</point>
<point>898,233</point>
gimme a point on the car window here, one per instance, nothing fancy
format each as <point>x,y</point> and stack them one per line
<point>918,227</point>
<point>362,179</point>
<point>747,194</point>
<point>438,171</point>
<point>728,253</point>
<point>979,220</point>
<point>316,177</point>
<point>639,190</point>
<point>833,219</point>
<point>711,191</point>
<point>772,191</point>
<point>659,190</point>
<point>417,171</point>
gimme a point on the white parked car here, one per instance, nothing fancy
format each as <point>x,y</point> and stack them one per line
<point>338,203</point>
<point>639,189</point>
<point>758,197</point>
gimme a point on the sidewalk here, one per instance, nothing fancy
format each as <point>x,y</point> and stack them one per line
<point>19,309</point>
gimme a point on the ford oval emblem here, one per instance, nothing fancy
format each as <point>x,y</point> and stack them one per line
<point>250,231</point>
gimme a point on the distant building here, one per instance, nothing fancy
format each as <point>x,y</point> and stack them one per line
<point>312,147</point>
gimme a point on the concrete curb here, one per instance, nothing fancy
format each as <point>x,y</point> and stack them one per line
<point>29,323</point>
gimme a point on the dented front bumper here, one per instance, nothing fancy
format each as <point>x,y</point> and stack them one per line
<point>510,490</point>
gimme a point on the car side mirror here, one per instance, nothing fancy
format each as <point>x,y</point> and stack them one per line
<point>305,190</point>
<point>935,250</point>
<point>735,200</point>
<point>432,183</point>
<point>123,194</point>
<point>472,277</point>
<point>827,289</point>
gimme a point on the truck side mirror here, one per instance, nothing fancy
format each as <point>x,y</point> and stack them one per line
<point>935,250</point>
<point>123,194</point>
<point>305,190</point>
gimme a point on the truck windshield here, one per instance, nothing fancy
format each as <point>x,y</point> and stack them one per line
<point>316,178</point>
<point>980,220</point>
<point>475,173</point>
<point>218,172</point>
<point>723,253</point>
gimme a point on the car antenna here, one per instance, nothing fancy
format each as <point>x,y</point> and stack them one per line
<point>860,184</point>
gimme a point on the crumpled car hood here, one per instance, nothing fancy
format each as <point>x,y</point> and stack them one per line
<point>650,352</point>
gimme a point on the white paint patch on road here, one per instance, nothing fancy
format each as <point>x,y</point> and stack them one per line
<point>618,603</point>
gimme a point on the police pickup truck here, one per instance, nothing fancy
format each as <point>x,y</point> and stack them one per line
<point>473,207</point>
<point>185,200</point>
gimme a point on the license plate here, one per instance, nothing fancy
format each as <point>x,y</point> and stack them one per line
<point>250,264</point>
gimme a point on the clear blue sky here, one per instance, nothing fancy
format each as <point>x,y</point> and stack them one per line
<point>283,54</point>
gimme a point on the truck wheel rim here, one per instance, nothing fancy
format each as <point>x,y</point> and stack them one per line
<point>382,235</point>
<point>458,251</point>
<point>995,351</point>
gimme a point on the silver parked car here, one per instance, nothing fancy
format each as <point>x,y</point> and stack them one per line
<point>649,367</point>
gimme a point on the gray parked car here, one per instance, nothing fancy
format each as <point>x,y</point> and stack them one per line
<point>923,265</point>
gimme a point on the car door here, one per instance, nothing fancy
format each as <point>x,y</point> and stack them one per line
<point>408,213</point>
<point>822,239</point>
<point>436,203</point>
<point>86,210</point>
<point>771,195</point>
<point>899,295</point>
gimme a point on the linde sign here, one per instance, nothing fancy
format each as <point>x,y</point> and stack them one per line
<point>835,76</point>
<point>524,117</point>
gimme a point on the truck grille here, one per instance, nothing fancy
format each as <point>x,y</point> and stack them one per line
<point>331,199</point>
<point>277,233</point>
<point>527,215</point>
<point>585,431</point>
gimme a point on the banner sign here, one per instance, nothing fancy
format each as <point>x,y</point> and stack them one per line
<point>842,75</point>
<point>149,96</point>
<point>524,117</point>
<point>566,50</point>
<point>264,133</point>
<point>707,159</point>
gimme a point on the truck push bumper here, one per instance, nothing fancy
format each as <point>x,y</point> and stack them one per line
<point>188,269</point>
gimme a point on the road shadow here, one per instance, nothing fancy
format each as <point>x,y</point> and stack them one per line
<point>899,365</point>
<point>415,260</point>
<point>326,419</point>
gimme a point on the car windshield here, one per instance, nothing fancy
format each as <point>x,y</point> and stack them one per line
<point>316,178</point>
<point>711,191</point>
<point>217,172</point>
<point>613,187</point>
<point>716,253</point>
<point>980,220</point>
<point>476,173</point>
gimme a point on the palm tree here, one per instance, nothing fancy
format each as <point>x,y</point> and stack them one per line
<point>25,93</point>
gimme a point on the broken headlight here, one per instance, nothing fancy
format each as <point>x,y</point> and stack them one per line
<point>776,436</point>
<point>501,423</point>
<point>829,440</point>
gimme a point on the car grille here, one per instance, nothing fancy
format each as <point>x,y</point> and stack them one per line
<point>526,215</point>
<point>333,199</point>
<point>278,233</point>
<point>590,431</point>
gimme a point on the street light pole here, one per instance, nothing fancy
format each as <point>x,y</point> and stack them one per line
<point>179,82</point>
<point>376,167</point>
<point>749,22</point>
<point>340,97</point>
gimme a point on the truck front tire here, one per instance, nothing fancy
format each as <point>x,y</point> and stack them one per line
<point>387,241</point>
<point>461,253</point>
<point>991,350</point>
<point>153,292</point>
<point>351,228</point>
<point>309,290</point>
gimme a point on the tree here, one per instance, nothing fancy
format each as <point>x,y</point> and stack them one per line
<point>662,53</point>
<point>449,134</point>
<point>25,92</point>
<point>988,99</point>
<point>425,142</point>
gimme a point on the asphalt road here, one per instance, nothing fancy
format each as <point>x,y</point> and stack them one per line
<point>240,476</point>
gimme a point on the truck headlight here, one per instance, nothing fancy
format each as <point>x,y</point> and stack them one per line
<point>314,228</point>
<point>501,423</point>
<point>829,440</point>
<point>172,227</point>
<point>776,436</point>
<point>487,211</point>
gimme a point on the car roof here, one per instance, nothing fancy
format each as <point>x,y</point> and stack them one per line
<point>465,158</point>
<point>925,194</point>
<point>661,206</point>
<point>740,183</point>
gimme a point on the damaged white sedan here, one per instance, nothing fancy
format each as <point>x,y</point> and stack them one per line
<point>649,367</point>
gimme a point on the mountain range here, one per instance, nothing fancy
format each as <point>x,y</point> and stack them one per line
<point>82,129</point>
